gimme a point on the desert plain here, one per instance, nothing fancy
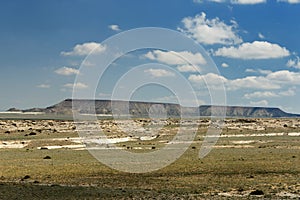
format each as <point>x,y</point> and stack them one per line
<point>254,158</point>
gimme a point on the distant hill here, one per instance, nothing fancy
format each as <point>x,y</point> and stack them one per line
<point>142,108</point>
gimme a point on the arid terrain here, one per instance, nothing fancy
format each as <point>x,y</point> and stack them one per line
<point>253,159</point>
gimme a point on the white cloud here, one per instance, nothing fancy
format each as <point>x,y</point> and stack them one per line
<point>85,49</point>
<point>248,1</point>
<point>210,31</point>
<point>43,86</point>
<point>210,79</point>
<point>285,77</point>
<point>272,81</point>
<point>270,94</point>
<point>216,1</point>
<point>159,72</point>
<point>258,82</point>
<point>250,82</point>
<point>188,68</point>
<point>176,58</point>
<point>259,103</point>
<point>261,36</point>
<point>198,1</point>
<point>260,71</point>
<point>290,92</point>
<point>225,65</point>
<point>294,63</point>
<point>67,71</point>
<point>114,27</point>
<point>289,1</point>
<point>265,94</point>
<point>76,85</point>
<point>254,50</point>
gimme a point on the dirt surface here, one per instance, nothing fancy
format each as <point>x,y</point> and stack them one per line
<point>253,159</point>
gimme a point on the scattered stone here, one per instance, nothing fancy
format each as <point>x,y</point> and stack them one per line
<point>7,132</point>
<point>152,147</point>
<point>193,147</point>
<point>47,157</point>
<point>36,182</point>
<point>26,177</point>
<point>50,123</point>
<point>43,148</point>
<point>257,192</point>
<point>32,133</point>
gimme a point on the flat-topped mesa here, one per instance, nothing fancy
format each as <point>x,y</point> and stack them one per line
<point>246,111</point>
<point>136,108</point>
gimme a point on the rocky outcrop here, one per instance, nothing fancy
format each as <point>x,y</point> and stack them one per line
<point>141,109</point>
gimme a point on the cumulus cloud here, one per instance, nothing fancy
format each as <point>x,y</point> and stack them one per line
<point>45,86</point>
<point>210,31</point>
<point>258,82</point>
<point>66,71</point>
<point>270,94</point>
<point>261,36</point>
<point>258,94</point>
<point>254,50</point>
<point>289,1</point>
<point>290,92</point>
<point>188,68</point>
<point>209,79</point>
<point>272,81</point>
<point>114,27</point>
<point>294,63</point>
<point>259,103</point>
<point>244,2</point>
<point>76,85</point>
<point>85,49</point>
<point>175,58</point>
<point>285,77</point>
<point>260,71</point>
<point>249,82</point>
<point>224,65</point>
<point>159,72</point>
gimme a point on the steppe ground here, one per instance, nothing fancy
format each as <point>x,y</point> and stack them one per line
<point>253,159</point>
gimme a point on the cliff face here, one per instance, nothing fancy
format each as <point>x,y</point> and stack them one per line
<point>142,109</point>
<point>240,111</point>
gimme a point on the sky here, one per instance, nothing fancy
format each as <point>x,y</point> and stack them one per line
<point>253,43</point>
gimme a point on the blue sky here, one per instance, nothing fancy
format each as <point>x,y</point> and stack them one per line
<point>254,43</point>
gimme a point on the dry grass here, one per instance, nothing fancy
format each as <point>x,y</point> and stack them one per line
<point>271,165</point>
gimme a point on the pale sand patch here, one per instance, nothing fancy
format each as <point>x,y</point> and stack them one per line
<point>62,146</point>
<point>145,138</point>
<point>255,135</point>
<point>17,144</point>
<point>96,140</point>
<point>244,142</point>
<point>288,195</point>
<point>233,146</point>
